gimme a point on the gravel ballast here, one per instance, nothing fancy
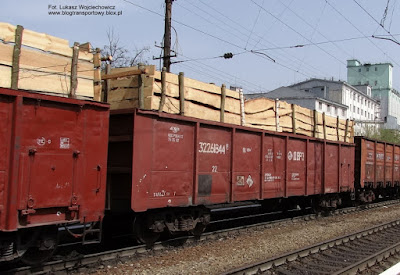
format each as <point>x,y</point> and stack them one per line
<point>216,256</point>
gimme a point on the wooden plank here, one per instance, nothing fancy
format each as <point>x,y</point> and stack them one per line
<point>270,114</point>
<point>16,57</point>
<point>198,85</point>
<point>214,100</point>
<point>122,94</point>
<point>193,110</point>
<point>125,104</point>
<point>123,74</point>
<point>44,62</point>
<point>150,69</point>
<point>258,105</point>
<point>261,121</point>
<point>304,126</point>
<point>56,84</point>
<point>40,41</point>
<point>5,76</point>
<point>7,32</point>
<point>305,119</point>
<point>129,82</point>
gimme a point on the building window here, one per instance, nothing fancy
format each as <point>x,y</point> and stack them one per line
<point>367,69</point>
<point>358,110</point>
<point>344,112</point>
<point>320,105</point>
<point>376,82</point>
<point>354,109</point>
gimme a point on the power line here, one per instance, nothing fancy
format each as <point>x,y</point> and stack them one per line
<point>380,24</point>
<point>285,56</point>
<point>254,25</point>
<point>345,18</point>
<point>205,33</point>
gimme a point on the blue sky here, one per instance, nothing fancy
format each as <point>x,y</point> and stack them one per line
<point>260,34</point>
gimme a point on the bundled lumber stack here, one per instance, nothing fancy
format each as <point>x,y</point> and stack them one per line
<point>183,95</point>
<point>149,89</point>
<point>275,115</point>
<point>39,62</point>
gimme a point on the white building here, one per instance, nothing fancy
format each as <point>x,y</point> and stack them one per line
<point>362,108</point>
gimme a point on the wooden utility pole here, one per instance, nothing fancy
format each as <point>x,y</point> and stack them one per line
<point>167,35</point>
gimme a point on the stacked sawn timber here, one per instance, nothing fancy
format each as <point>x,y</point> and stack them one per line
<point>183,95</point>
<point>276,115</point>
<point>43,63</point>
<point>197,99</point>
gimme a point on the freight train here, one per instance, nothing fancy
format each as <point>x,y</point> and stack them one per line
<point>67,162</point>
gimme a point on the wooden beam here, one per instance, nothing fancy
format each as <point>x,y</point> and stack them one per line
<point>163,89</point>
<point>324,123</point>
<point>74,71</point>
<point>346,131</point>
<point>242,112</point>
<point>294,118</point>
<point>125,74</point>
<point>141,86</point>
<point>277,114</point>
<point>337,128</point>
<point>181,93</point>
<point>223,97</point>
<point>97,58</point>
<point>16,57</point>
<point>108,83</point>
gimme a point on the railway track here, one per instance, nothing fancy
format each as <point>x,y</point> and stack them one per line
<point>78,262</point>
<point>345,255</point>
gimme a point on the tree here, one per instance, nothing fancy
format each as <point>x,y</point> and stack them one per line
<point>121,56</point>
<point>386,135</point>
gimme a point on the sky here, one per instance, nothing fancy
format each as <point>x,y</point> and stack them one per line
<point>274,42</point>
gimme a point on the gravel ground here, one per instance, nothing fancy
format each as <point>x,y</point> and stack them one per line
<point>214,257</point>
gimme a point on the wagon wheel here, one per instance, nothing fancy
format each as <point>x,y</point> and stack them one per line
<point>34,254</point>
<point>198,230</point>
<point>142,233</point>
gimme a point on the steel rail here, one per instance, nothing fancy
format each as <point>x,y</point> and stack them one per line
<point>307,259</point>
<point>97,259</point>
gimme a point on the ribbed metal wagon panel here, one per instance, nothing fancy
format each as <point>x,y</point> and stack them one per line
<point>53,154</point>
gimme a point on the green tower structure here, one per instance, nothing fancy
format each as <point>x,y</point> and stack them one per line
<point>379,76</point>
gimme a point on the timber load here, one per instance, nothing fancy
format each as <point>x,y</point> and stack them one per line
<point>148,89</point>
<point>47,64</point>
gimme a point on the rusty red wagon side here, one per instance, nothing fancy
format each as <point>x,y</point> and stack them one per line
<point>165,164</point>
<point>377,168</point>
<point>53,154</point>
